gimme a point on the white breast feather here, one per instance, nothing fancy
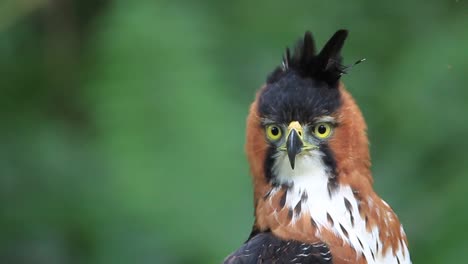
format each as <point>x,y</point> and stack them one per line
<point>310,175</point>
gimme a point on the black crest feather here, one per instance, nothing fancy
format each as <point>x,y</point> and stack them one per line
<point>325,66</point>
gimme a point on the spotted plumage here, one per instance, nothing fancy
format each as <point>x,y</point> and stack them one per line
<point>308,153</point>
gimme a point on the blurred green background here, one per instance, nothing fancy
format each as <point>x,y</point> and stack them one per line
<point>123,122</point>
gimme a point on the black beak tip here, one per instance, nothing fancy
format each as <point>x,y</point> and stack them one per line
<point>292,159</point>
<point>294,145</point>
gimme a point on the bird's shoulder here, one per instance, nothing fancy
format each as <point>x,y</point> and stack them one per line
<point>266,248</point>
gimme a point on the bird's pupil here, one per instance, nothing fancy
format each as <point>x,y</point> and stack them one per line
<point>322,129</point>
<point>274,131</point>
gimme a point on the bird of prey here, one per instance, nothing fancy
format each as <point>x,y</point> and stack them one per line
<point>309,158</point>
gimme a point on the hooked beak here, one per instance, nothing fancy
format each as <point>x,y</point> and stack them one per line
<point>294,146</point>
<point>294,142</point>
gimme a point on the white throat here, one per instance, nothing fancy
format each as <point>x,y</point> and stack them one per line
<point>309,174</point>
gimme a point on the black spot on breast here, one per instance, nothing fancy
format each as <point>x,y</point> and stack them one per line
<point>398,260</point>
<point>372,253</point>
<point>290,214</point>
<point>345,232</point>
<point>348,205</point>
<point>282,201</point>
<point>360,243</point>
<point>330,219</point>
<point>304,197</point>
<point>312,221</point>
<point>297,209</point>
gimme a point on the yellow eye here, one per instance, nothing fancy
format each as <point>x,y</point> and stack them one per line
<point>322,130</point>
<point>273,132</point>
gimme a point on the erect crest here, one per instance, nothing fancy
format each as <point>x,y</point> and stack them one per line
<point>325,66</point>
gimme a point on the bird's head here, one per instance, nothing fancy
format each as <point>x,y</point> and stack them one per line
<point>303,119</point>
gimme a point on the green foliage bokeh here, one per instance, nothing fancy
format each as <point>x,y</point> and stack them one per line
<point>123,121</point>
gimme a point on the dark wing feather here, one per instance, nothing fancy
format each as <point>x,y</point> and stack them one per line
<point>265,248</point>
